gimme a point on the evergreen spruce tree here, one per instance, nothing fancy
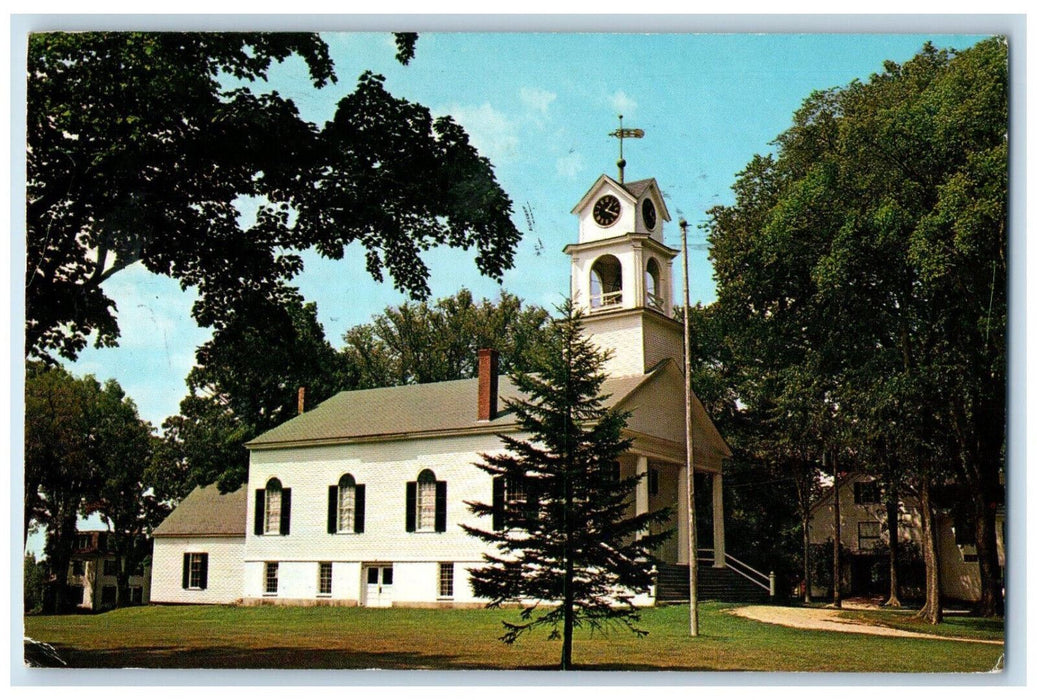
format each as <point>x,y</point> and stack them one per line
<point>567,551</point>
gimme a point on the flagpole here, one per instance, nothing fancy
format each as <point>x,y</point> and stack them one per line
<point>689,462</point>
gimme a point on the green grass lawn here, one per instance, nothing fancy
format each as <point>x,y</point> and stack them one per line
<point>402,638</point>
<point>953,625</point>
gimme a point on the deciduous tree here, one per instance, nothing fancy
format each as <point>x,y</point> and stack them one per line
<point>862,272</point>
<point>416,343</point>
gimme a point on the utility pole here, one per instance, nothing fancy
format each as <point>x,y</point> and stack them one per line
<point>689,461</point>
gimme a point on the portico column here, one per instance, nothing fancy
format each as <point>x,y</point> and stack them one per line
<point>682,516</point>
<point>641,494</point>
<point>718,520</point>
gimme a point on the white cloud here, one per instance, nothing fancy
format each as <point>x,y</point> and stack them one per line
<point>490,130</point>
<point>569,165</point>
<point>536,99</point>
<point>621,102</point>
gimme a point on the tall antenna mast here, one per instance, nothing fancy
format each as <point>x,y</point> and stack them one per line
<point>621,134</point>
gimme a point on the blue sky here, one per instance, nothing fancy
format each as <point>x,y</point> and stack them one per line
<point>540,106</point>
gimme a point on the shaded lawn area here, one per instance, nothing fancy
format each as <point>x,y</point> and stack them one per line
<point>402,638</point>
<point>953,625</point>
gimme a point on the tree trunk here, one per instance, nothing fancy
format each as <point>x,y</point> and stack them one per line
<point>59,556</point>
<point>893,525</point>
<point>122,583</point>
<point>803,496</point>
<point>837,545</point>
<point>567,622</point>
<point>806,558</point>
<point>568,598</point>
<point>932,611</point>
<point>992,602</point>
<point>980,446</point>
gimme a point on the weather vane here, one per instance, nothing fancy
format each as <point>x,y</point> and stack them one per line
<point>621,134</point>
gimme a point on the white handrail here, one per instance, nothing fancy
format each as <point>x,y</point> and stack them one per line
<point>738,561</point>
<point>763,582</point>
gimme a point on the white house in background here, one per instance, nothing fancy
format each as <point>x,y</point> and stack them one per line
<point>361,500</point>
<point>865,532</point>
<point>93,574</point>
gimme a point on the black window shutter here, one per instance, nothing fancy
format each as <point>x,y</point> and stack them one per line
<point>498,503</point>
<point>204,572</point>
<point>286,510</point>
<point>187,570</point>
<point>260,504</point>
<point>440,506</point>
<point>358,508</point>
<point>412,503</point>
<point>332,510</point>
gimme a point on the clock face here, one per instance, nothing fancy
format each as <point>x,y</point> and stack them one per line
<point>606,210</point>
<point>648,214</point>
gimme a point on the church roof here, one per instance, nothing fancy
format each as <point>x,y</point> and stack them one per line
<point>636,189</point>
<point>206,513</point>
<point>415,410</point>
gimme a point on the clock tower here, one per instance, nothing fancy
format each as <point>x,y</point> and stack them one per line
<point>622,277</point>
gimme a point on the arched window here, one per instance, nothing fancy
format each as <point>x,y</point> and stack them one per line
<point>346,503</point>
<point>273,509</point>
<point>426,503</point>
<point>426,512</point>
<point>653,292</point>
<point>272,523</point>
<point>606,282</point>
<point>346,506</point>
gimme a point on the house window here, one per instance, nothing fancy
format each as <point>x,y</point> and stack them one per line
<point>83,542</point>
<point>108,595</point>
<point>653,482</point>
<point>324,579</point>
<point>270,578</point>
<point>273,509</point>
<point>78,567</point>
<point>111,567</point>
<point>446,579</point>
<point>964,527</point>
<point>606,282</point>
<point>867,493</point>
<point>196,570</point>
<point>868,535</point>
<point>345,506</point>
<point>136,595</point>
<point>77,595</point>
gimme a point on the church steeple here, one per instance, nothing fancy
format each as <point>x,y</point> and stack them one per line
<point>621,274</point>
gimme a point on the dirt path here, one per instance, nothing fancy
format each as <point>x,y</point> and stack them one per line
<point>828,619</point>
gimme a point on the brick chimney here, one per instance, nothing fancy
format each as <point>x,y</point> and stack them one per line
<point>302,400</point>
<point>487,384</point>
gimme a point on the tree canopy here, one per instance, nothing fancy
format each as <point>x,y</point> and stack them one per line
<point>142,146</point>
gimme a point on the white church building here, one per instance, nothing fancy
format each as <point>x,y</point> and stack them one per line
<point>360,501</point>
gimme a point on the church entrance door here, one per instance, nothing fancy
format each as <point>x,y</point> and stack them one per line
<point>378,585</point>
